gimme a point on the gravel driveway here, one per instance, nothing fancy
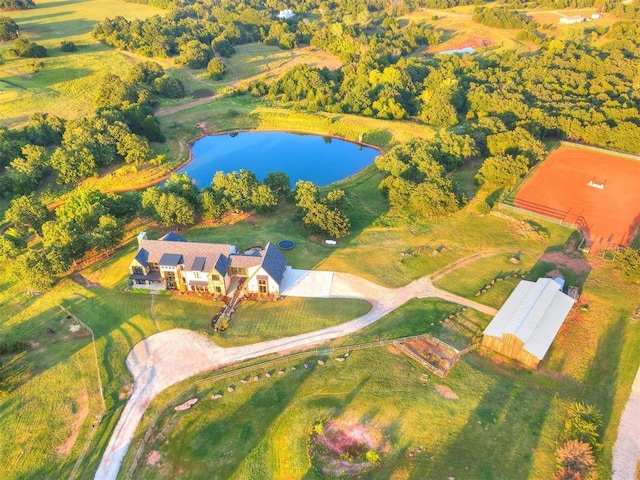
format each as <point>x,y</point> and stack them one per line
<point>170,357</point>
<point>626,450</point>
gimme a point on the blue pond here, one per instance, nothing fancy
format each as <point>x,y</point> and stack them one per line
<point>321,160</point>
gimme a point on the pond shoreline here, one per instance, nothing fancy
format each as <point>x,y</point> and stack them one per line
<point>204,134</point>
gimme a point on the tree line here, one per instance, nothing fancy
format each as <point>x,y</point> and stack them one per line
<point>119,130</point>
<point>91,221</point>
<point>570,89</point>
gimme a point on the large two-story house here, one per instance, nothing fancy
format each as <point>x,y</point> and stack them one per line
<point>171,262</point>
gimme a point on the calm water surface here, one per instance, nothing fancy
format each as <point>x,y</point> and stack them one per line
<point>321,160</point>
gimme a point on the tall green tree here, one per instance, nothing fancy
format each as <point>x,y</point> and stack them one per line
<point>26,212</point>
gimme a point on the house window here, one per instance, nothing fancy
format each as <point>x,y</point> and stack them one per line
<point>240,272</point>
<point>262,286</point>
<point>218,290</point>
<point>197,275</point>
<point>170,279</point>
<point>215,278</point>
<point>137,271</point>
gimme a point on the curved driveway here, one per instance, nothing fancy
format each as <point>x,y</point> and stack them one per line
<point>170,357</point>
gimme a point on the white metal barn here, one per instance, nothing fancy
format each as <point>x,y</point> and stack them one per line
<point>527,323</point>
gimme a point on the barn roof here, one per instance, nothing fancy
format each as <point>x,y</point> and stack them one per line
<point>534,313</point>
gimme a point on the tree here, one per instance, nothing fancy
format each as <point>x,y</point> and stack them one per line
<point>213,204</point>
<point>113,91</point>
<point>278,182</point>
<point>16,4</point>
<point>216,69</point>
<point>173,209</point>
<point>9,247</point>
<point>322,219</point>
<point>68,46</point>
<point>169,87</point>
<point>236,187</point>
<point>26,49</point>
<point>628,263</point>
<point>33,269</point>
<point>134,148</point>
<point>434,198</point>
<point>306,194</point>
<point>108,233</point>
<point>263,199</point>
<point>182,184</point>
<point>517,142</point>
<point>73,164</point>
<point>503,170</point>
<point>195,54</point>
<point>8,29</point>
<point>27,212</point>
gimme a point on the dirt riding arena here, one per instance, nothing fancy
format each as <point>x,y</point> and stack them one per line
<point>595,190</point>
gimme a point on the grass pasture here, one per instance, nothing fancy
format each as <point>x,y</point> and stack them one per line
<point>261,429</point>
<point>67,83</point>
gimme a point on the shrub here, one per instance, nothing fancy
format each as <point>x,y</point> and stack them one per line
<point>8,29</point>
<point>575,459</point>
<point>372,457</point>
<point>583,424</point>
<point>13,347</point>
<point>66,46</point>
<point>216,69</point>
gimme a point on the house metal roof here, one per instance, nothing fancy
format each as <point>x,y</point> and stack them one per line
<point>274,262</point>
<point>152,251</point>
<point>198,264</point>
<point>170,259</point>
<point>171,237</point>
<point>208,257</point>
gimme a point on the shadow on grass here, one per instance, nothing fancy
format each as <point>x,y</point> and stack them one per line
<point>236,434</point>
<point>563,261</point>
<point>602,373</point>
<point>499,437</point>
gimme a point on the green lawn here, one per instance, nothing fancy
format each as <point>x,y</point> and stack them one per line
<point>261,429</point>
<point>259,321</point>
<point>424,315</point>
<point>505,424</point>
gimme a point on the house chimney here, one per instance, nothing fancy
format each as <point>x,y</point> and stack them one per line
<point>142,236</point>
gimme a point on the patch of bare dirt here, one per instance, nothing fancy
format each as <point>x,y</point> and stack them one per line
<point>78,420</point>
<point>84,281</point>
<point>343,450</point>
<point>577,264</point>
<point>126,391</point>
<point>445,392</point>
<point>153,458</point>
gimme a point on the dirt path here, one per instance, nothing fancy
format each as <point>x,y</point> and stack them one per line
<point>626,451</point>
<point>78,420</point>
<point>170,357</point>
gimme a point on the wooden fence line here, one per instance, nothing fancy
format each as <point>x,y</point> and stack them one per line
<point>100,416</point>
<point>315,352</point>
